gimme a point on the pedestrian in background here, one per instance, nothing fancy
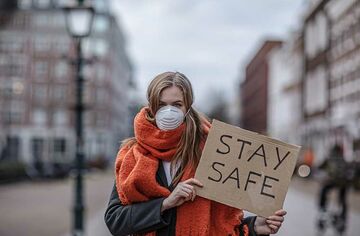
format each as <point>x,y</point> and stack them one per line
<point>338,176</point>
<point>155,190</point>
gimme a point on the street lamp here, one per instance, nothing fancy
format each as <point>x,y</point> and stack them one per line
<point>79,20</point>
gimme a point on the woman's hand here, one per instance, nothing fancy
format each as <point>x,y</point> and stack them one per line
<point>270,225</point>
<point>183,192</point>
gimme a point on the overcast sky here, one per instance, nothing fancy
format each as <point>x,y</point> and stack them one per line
<point>210,41</point>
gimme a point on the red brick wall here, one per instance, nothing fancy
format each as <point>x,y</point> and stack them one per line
<point>254,90</point>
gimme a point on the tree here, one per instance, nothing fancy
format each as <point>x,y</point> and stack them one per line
<point>218,106</point>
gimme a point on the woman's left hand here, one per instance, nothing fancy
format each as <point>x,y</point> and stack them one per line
<point>270,225</point>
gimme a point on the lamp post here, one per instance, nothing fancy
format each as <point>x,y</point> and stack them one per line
<point>79,20</point>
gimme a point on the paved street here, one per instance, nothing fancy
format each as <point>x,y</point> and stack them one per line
<point>301,204</point>
<point>44,208</point>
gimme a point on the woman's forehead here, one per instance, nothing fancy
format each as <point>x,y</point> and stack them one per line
<point>171,94</point>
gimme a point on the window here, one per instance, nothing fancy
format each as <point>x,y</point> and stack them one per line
<point>38,149</point>
<point>60,93</point>
<point>316,91</point>
<point>13,64</point>
<point>11,88</point>
<point>100,120</point>
<point>101,6</point>
<point>4,60</point>
<point>100,72</point>
<point>42,44</point>
<point>316,35</point>
<point>24,4</point>
<point>59,149</point>
<point>12,148</point>
<point>322,31</point>
<point>58,19</point>
<point>60,118</point>
<point>87,46</point>
<point>11,43</point>
<point>101,96</point>
<point>39,116</point>
<point>19,20</point>
<point>60,145</point>
<point>87,118</point>
<point>101,24</point>
<point>61,70</point>
<point>42,3</point>
<point>61,45</point>
<point>6,88</point>
<point>16,112</point>
<point>87,93</point>
<point>12,116</point>
<point>101,48</point>
<point>40,92</point>
<point>309,41</point>
<point>41,70</point>
<point>101,143</point>
<point>95,46</point>
<point>41,20</point>
<point>88,71</point>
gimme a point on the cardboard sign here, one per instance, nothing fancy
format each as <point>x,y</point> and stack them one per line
<point>245,170</point>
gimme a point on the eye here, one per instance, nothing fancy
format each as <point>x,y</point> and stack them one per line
<point>177,104</point>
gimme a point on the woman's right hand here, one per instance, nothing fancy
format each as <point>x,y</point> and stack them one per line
<point>183,192</point>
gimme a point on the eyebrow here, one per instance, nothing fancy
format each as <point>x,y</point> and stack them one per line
<point>172,102</point>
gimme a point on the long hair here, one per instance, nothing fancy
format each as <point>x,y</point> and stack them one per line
<point>188,151</point>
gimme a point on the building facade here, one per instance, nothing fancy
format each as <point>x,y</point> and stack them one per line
<point>308,89</point>
<point>344,74</point>
<point>37,85</point>
<point>284,86</point>
<point>331,77</point>
<point>315,105</point>
<point>254,90</point>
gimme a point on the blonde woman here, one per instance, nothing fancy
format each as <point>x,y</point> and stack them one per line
<point>154,192</point>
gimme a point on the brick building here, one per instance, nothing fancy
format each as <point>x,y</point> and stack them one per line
<point>254,90</point>
<point>37,85</point>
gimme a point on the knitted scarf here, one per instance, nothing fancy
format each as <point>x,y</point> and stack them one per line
<point>136,168</point>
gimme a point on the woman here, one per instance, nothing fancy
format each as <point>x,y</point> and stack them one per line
<point>155,192</point>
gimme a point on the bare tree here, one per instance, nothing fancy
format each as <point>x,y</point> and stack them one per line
<point>218,106</point>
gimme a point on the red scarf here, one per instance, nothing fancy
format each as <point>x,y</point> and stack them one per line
<point>136,168</point>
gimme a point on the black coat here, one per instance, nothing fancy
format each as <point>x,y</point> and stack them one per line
<point>146,216</point>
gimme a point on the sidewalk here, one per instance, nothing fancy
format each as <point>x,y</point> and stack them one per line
<point>96,225</point>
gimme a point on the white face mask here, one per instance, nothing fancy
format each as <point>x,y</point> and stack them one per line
<point>169,117</point>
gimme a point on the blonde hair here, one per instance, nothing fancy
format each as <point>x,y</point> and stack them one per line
<point>188,151</point>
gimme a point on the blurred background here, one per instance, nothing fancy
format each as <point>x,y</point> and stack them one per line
<point>287,69</point>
